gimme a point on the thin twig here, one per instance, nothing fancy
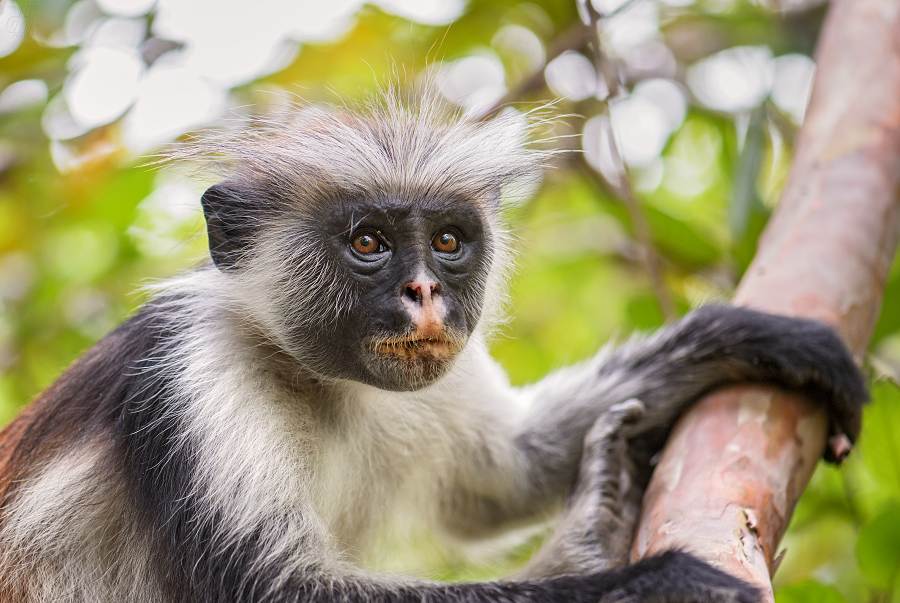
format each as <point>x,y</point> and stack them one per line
<point>624,191</point>
<point>571,39</point>
<point>602,64</point>
<point>574,38</point>
<point>620,9</point>
<point>647,254</point>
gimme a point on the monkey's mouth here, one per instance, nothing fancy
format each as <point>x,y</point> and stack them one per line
<point>413,347</point>
<point>415,359</point>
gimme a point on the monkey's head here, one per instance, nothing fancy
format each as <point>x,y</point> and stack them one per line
<point>368,244</point>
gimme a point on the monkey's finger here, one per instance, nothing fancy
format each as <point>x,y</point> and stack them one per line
<point>628,412</point>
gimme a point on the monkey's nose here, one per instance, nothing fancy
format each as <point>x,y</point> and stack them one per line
<point>422,291</point>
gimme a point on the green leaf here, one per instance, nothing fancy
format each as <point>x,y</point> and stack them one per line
<point>809,592</point>
<point>880,441</point>
<point>680,240</point>
<point>745,199</point>
<point>878,548</point>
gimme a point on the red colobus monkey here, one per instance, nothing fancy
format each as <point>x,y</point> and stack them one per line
<point>248,432</point>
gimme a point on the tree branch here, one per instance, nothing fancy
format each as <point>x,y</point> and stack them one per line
<point>737,463</point>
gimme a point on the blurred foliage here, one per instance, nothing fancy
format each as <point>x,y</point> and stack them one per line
<point>83,226</point>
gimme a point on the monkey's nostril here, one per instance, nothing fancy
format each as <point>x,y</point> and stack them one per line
<point>423,292</point>
<point>413,294</point>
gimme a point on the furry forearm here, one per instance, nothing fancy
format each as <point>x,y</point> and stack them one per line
<point>668,371</point>
<point>646,580</point>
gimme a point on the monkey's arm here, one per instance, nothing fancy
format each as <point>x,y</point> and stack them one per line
<point>710,347</point>
<point>673,577</point>
<point>282,561</point>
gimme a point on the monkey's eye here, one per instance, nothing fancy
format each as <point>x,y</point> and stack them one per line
<point>446,242</point>
<point>367,243</point>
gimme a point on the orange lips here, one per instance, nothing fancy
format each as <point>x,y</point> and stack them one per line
<point>416,345</point>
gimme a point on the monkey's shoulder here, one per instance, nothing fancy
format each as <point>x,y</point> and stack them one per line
<point>89,398</point>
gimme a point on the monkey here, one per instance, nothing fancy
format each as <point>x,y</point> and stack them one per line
<point>244,436</point>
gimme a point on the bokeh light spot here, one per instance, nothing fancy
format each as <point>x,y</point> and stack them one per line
<point>104,88</point>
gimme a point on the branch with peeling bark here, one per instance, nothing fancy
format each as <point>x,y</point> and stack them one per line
<point>737,463</point>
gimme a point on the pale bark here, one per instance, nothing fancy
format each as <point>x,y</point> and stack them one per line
<point>737,463</point>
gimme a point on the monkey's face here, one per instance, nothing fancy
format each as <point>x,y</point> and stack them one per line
<point>414,272</point>
<point>381,290</point>
<point>361,242</point>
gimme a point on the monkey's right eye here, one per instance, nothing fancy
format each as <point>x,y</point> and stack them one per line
<point>367,244</point>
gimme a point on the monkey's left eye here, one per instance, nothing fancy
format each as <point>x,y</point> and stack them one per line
<point>367,244</point>
<point>446,242</point>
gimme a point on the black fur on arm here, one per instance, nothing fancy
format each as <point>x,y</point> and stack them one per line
<point>794,353</point>
<point>672,577</point>
<point>213,571</point>
<point>719,345</point>
<point>709,348</point>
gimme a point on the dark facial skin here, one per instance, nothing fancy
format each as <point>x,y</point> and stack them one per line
<point>418,268</point>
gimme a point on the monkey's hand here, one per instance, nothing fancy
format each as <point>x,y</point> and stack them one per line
<point>716,346</point>
<point>599,521</point>
<point>796,353</point>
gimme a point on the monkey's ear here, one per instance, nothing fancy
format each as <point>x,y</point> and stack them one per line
<point>229,223</point>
